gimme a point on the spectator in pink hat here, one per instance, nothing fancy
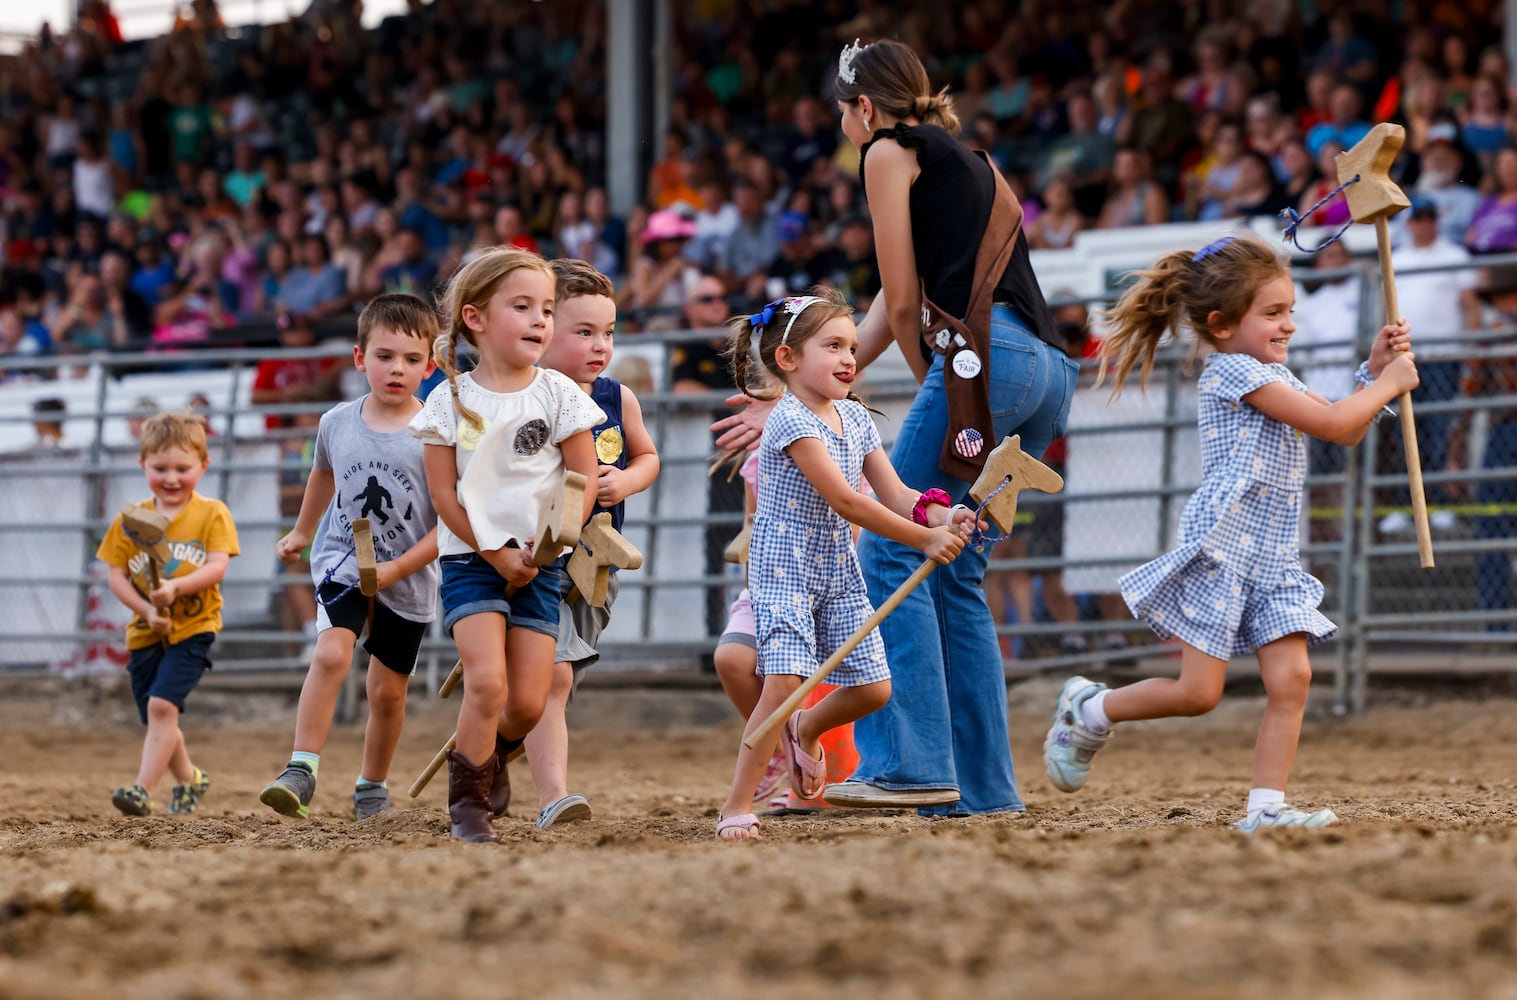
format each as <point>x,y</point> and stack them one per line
<point>662,276</point>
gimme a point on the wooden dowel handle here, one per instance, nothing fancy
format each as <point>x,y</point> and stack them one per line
<point>790,704</point>
<point>1404,404</point>
<point>435,766</point>
<point>456,675</point>
<point>1414,481</point>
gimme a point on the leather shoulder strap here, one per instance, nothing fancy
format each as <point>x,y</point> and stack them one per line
<point>995,248</point>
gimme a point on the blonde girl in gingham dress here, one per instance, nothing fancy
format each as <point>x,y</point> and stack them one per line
<point>1235,584</point>
<point>807,590</point>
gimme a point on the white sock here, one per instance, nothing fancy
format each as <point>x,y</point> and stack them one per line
<point>1260,799</point>
<point>363,783</point>
<point>1093,712</point>
<point>311,760</point>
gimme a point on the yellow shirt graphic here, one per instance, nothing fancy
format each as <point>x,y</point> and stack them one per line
<point>203,526</point>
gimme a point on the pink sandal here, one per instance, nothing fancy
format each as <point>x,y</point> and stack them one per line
<point>774,776</point>
<point>746,822</point>
<point>808,775</point>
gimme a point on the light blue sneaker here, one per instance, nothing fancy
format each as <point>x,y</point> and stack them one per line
<point>1070,744</point>
<point>1282,815</point>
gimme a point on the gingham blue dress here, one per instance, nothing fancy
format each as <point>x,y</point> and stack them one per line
<point>804,578</point>
<point>1236,582</point>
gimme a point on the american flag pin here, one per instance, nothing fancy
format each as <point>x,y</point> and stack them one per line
<point>968,442</point>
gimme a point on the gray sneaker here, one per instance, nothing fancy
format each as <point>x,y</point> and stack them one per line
<point>1283,815</point>
<point>371,801</point>
<point>569,809</point>
<point>1070,744</point>
<point>290,794</point>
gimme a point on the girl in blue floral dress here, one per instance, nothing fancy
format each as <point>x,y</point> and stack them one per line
<point>804,580</point>
<point>1235,584</point>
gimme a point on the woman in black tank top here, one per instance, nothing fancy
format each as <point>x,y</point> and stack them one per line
<point>941,744</point>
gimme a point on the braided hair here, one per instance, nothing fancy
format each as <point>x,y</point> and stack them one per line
<point>787,322</point>
<point>474,285</point>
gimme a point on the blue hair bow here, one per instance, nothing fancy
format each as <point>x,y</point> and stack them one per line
<point>1211,248</point>
<point>765,316</point>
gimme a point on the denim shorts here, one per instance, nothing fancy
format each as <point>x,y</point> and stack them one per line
<point>169,671</point>
<point>471,586</point>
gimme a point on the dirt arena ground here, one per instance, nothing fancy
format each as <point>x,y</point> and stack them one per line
<point>1135,887</point>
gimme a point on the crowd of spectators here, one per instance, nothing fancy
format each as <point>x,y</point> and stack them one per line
<point>194,187</point>
<point>165,192</point>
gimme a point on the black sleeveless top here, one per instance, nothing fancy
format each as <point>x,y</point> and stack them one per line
<point>950,208</point>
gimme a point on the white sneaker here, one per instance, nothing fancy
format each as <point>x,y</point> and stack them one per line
<point>1443,520</point>
<point>1070,744</point>
<point>1397,522</point>
<point>1284,815</point>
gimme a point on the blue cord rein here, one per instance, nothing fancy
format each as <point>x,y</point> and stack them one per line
<point>1289,235</point>
<point>981,537</point>
<point>326,578</point>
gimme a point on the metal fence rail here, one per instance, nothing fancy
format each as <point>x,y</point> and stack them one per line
<point>1131,464</point>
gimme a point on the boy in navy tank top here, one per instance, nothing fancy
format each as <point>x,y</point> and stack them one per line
<point>583,325</point>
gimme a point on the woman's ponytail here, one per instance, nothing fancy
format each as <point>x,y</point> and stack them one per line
<point>937,109</point>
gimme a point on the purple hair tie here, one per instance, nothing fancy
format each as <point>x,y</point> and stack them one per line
<point>1211,248</point>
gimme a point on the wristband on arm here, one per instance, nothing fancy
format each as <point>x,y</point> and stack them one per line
<point>1362,377</point>
<point>928,498</point>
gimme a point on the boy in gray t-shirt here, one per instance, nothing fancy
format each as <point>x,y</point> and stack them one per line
<point>367,465</point>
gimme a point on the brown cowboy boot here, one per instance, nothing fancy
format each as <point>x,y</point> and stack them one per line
<point>468,798</point>
<point>500,788</point>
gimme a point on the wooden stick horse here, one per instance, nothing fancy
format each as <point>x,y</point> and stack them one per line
<point>1374,197</point>
<point>557,528</point>
<point>146,528</point>
<point>368,563</point>
<point>1008,471</point>
<point>600,547</point>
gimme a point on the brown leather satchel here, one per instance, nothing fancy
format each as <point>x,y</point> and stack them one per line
<point>965,344</point>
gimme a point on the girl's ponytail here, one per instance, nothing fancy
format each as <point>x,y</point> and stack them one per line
<point>1150,306</point>
<point>1186,288</point>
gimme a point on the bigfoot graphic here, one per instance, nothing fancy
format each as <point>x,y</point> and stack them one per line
<point>372,496</point>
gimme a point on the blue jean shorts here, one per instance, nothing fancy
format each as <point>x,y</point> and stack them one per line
<point>471,586</point>
<point>169,671</point>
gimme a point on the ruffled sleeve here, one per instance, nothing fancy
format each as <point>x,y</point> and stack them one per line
<point>1233,376</point>
<point>862,430</point>
<point>574,411</point>
<point>436,422</point>
<point>905,135</point>
<point>788,424</point>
